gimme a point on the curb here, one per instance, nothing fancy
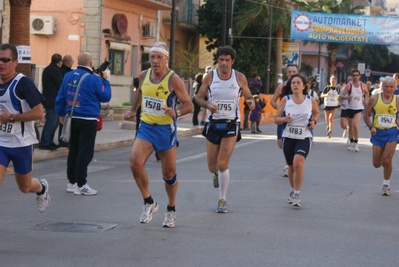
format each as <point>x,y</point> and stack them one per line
<point>39,155</point>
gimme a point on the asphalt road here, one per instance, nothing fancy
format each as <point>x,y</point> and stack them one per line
<point>344,220</point>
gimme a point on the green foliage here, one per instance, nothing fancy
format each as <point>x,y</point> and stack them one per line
<point>127,104</point>
<point>249,39</point>
<point>375,56</point>
<point>393,66</point>
<point>187,61</point>
<point>307,69</point>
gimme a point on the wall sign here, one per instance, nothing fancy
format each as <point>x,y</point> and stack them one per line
<point>119,23</point>
<point>24,54</point>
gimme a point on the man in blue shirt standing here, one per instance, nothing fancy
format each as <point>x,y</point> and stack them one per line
<point>93,90</point>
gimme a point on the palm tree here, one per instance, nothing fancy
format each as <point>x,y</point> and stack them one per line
<point>259,15</point>
<point>334,7</point>
<point>19,23</point>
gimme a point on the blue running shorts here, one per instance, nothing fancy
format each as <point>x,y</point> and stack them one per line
<point>215,137</point>
<point>21,158</point>
<point>384,136</point>
<point>162,137</point>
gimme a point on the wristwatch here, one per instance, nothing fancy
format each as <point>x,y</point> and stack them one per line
<point>11,119</point>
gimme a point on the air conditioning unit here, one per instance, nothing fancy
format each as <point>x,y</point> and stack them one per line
<point>149,31</point>
<point>42,25</point>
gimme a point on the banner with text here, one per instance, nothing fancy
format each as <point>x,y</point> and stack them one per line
<point>343,28</point>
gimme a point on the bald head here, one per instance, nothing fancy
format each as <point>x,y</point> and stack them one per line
<point>84,59</point>
<point>67,61</point>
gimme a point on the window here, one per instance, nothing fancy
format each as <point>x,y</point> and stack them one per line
<point>116,62</point>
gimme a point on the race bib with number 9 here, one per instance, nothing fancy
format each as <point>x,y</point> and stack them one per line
<point>225,107</point>
<point>385,120</point>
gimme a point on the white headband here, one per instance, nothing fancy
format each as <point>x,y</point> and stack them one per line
<point>159,49</point>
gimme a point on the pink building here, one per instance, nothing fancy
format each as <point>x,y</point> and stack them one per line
<point>120,31</point>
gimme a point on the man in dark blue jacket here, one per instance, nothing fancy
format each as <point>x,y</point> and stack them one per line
<point>93,90</point>
<point>52,79</point>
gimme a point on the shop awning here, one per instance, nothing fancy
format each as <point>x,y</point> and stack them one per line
<point>119,46</point>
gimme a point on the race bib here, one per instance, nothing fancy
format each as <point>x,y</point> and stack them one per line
<point>333,100</point>
<point>295,132</point>
<point>7,129</point>
<point>153,106</point>
<point>225,107</point>
<point>385,120</point>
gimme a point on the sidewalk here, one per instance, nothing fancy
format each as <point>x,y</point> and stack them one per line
<point>117,134</point>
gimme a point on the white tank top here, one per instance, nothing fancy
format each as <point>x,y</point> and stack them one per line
<point>297,128</point>
<point>226,94</point>
<point>357,97</point>
<point>331,100</point>
<point>17,134</point>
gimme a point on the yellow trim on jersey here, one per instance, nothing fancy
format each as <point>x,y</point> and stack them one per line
<point>384,115</point>
<point>154,100</point>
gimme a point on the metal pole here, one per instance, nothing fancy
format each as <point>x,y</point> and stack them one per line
<point>224,11</point>
<point>318,67</point>
<point>230,33</point>
<point>172,35</point>
<point>269,46</point>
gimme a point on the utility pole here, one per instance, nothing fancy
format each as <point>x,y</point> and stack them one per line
<point>269,46</point>
<point>224,24</point>
<point>230,36</point>
<point>172,35</point>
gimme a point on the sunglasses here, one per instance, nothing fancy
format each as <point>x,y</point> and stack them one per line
<point>5,59</point>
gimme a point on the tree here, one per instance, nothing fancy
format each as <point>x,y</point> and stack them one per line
<point>258,15</point>
<point>187,61</point>
<point>19,23</point>
<point>393,66</point>
<point>250,43</point>
<point>375,56</point>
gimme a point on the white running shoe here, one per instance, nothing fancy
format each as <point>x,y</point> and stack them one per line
<point>148,211</point>
<point>285,171</point>
<point>351,147</point>
<point>170,218</point>
<point>296,200</point>
<point>85,190</point>
<point>43,200</point>
<point>71,188</point>
<point>386,190</point>
<point>290,197</point>
<point>356,148</point>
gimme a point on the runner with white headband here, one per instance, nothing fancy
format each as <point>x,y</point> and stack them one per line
<point>159,90</point>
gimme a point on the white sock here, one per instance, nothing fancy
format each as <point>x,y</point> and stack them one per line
<point>296,192</point>
<point>386,182</point>
<point>224,178</point>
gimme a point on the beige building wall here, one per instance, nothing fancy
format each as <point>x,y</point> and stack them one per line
<point>86,26</point>
<point>70,30</point>
<point>79,28</point>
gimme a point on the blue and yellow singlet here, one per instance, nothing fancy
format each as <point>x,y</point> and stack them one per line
<point>155,98</point>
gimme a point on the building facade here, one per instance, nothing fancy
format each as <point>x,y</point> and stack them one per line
<point>119,31</point>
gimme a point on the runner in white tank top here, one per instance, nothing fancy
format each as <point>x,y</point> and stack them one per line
<point>222,130</point>
<point>354,93</point>
<point>301,113</point>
